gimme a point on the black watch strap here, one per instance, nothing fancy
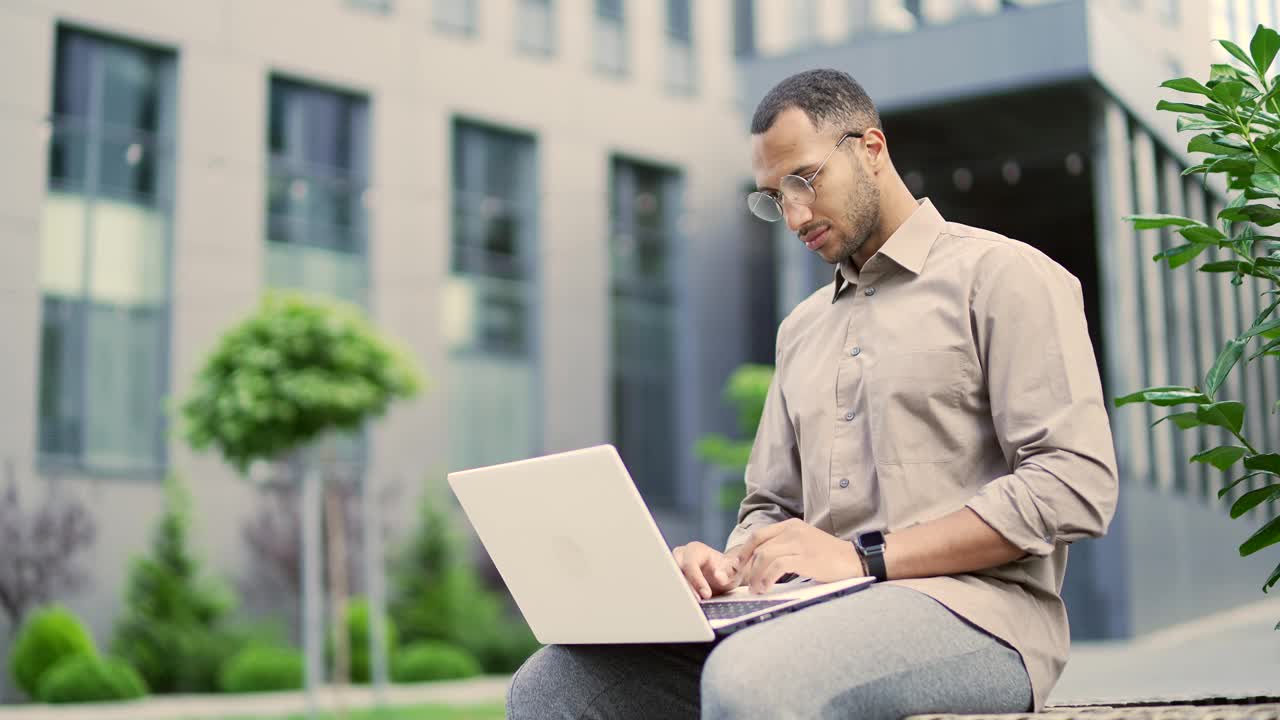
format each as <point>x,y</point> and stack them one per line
<point>870,546</point>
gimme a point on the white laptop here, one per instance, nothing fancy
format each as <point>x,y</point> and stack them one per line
<point>586,563</point>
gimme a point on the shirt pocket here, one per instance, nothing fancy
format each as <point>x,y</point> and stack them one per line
<point>917,415</point>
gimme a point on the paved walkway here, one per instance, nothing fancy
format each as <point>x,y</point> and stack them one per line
<point>1235,653</point>
<point>483,690</point>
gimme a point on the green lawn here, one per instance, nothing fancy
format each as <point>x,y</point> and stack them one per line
<point>415,712</point>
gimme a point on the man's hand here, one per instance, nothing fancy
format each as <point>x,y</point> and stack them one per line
<point>708,571</point>
<point>798,547</point>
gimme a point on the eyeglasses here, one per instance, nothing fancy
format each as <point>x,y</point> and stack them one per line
<point>766,205</point>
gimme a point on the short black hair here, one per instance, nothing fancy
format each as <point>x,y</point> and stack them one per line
<point>828,97</point>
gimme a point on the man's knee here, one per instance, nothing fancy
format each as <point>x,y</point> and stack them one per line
<point>537,683</point>
<point>734,685</point>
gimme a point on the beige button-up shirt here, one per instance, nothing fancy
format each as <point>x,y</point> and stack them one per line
<point>954,370</point>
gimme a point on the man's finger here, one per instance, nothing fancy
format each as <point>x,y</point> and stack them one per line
<point>775,570</point>
<point>761,536</point>
<point>768,551</point>
<point>710,567</point>
<point>693,574</point>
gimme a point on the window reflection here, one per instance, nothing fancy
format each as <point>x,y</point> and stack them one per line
<point>104,256</point>
<point>643,212</point>
<point>488,301</point>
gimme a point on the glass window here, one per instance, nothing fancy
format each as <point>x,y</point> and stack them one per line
<point>535,27</point>
<point>456,16</point>
<point>316,190</point>
<point>104,257</point>
<point>611,37</point>
<point>681,70</point>
<point>378,6</point>
<point>744,28</point>
<point>317,185</point>
<point>804,23</point>
<point>644,204</point>
<point>489,298</point>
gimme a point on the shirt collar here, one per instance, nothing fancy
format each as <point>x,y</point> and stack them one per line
<point>908,246</point>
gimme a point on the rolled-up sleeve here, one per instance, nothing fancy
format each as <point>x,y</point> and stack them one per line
<point>1047,405</point>
<point>774,486</point>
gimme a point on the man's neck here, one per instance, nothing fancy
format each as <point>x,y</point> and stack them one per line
<point>895,208</point>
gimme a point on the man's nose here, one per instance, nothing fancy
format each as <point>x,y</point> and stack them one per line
<point>797,215</point>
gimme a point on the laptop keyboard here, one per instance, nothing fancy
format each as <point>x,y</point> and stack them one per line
<point>733,609</point>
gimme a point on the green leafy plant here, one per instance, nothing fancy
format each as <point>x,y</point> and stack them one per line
<point>263,669</point>
<point>89,678</point>
<point>428,661</point>
<point>745,392</point>
<point>357,622</point>
<point>172,626</point>
<point>48,636</point>
<point>300,370</point>
<point>300,367</point>
<point>1236,115</point>
<point>439,596</point>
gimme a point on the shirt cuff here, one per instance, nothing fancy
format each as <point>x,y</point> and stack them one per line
<point>1011,510</point>
<point>740,534</point>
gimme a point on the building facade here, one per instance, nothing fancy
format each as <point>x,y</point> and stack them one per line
<point>1037,119</point>
<point>543,199</point>
<point>540,198</point>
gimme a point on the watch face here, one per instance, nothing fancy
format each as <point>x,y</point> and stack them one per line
<point>871,539</point>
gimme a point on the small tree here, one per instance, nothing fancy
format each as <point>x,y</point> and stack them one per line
<point>42,547</point>
<point>272,538</point>
<point>172,628</point>
<point>300,369</point>
<point>745,391</point>
<point>1238,128</point>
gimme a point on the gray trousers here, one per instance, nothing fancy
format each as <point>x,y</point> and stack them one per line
<point>884,652</point>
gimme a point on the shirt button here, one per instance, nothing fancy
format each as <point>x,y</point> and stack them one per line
<point>848,415</point>
<point>856,351</point>
<point>844,482</point>
<point>871,291</point>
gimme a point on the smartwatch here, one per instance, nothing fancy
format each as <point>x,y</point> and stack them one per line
<point>870,546</point>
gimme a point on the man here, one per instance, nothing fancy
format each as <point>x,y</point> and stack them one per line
<point>942,390</point>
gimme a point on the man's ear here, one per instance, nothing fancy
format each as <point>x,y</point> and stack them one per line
<point>877,146</point>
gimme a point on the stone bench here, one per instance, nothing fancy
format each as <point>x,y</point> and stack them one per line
<point>1216,708</point>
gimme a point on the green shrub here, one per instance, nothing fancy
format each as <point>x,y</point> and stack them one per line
<point>48,635</point>
<point>204,653</point>
<point>263,669</point>
<point>358,639</point>
<point>89,678</point>
<point>171,629</point>
<point>427,661</point>
<point>439,597</point>
<point>503,648</point>
<point>472,617</point>
<point>745,392</point>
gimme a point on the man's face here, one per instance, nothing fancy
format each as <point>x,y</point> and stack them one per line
<point>846,208</point>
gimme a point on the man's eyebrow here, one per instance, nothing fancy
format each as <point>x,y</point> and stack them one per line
<point>798,171</point>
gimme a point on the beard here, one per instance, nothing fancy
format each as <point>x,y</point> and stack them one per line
<point>861,216</point>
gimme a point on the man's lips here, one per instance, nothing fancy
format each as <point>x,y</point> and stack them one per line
<point>814,240</point>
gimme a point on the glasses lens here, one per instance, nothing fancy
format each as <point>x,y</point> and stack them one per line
<point>797,190</point>
<point>764,206</point>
